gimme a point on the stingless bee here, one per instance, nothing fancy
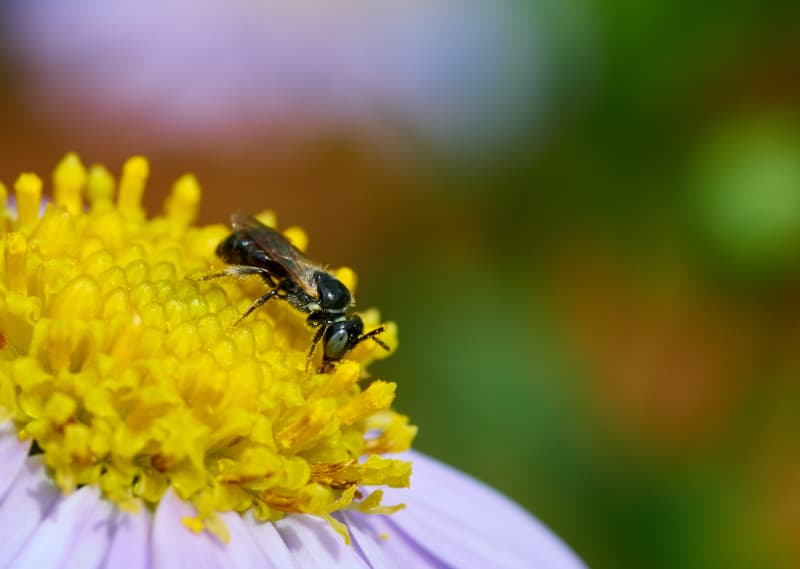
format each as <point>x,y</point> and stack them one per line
<point>255,249</point>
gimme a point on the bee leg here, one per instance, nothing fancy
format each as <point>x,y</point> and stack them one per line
<point>260,302</point>
<point>373,336</point>
<point>238,271</point>
<point>314,342</point>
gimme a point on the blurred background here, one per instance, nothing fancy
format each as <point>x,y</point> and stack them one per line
<point>583,214</point>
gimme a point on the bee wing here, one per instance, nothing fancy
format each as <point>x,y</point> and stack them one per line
<point>279,250</point>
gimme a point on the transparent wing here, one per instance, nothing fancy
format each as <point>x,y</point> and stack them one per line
<point>279,250</point>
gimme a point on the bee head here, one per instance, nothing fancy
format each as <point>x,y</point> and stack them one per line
<point>341,336</point>
<point>333,295</point>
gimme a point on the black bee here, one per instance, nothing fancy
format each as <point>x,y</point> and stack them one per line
<point>255,249</point>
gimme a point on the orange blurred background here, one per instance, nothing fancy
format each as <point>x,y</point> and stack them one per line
<point>584,215</point>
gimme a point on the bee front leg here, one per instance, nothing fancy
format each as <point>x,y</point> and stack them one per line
<point>314,342</point>
<point>260,302</point>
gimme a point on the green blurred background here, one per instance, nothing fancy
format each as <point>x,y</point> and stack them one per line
<point>584,215</point>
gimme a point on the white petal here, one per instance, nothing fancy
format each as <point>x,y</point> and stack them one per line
<point>315,545</point>
<point>13,453</point>
<point>130,547</point>
<point>27,502</point>
<point>62,531</point>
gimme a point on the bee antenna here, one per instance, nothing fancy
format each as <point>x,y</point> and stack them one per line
<point>372,336</point>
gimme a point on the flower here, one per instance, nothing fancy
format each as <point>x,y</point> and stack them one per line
<point>443,68</point>
<point>142,428</point>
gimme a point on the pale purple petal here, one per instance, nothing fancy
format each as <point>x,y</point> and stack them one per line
<point>13,453</point>
<point>464,523</point>
<point>130,547</point>
<point>266,536</point>
<point>91,542</point>
<point>315,545</point>
<point>451,520</point>
<point>175,546</point>
<point>187,66</point>
<point>383,547</point>
<point>66,538</point>
<point>25,505</point>
<point>244,551</point>
<point>366,541</point>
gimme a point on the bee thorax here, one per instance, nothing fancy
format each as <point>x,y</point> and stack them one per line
<point>333,295</point>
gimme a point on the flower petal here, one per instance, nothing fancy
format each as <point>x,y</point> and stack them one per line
<point>75,533</point>
<point>314,544</point>
<point>176,546</point>
<point>264,536</point>
<point>384,547</point>
<point>27,502</point>
<point>90,543</point>
<point>130,547</point>
<point>464,523</point>
<point>13,453</point>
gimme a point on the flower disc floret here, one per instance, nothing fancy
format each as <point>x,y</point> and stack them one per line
<point>131,374</point>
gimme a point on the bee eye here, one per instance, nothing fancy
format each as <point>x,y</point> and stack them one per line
<point>336,343</point>
<point>341,336</point>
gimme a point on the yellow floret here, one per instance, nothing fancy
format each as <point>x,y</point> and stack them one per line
<point>29,196</point>
<point>130,374</point>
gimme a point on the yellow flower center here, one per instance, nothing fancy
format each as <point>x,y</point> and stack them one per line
<point>130,374</point>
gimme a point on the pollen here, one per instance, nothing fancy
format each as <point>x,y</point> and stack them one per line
<point>132,374</point>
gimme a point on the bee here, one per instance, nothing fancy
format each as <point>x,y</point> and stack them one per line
<point>255,249</point>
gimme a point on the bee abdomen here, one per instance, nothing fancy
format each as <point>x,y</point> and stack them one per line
<point>239,249</point>
<point>233,249</point>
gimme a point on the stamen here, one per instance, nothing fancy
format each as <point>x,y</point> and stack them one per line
<point>69,179</point>
<point>131,187</point>
<point>4,219</point>
<point>99,186</point>
<point>16,256</point>
<point>184,200</point>
<point>379,395</point>
<point>296,237</point>
<point>29,197</point>
<point>80,299</point>
<point>348,278</point>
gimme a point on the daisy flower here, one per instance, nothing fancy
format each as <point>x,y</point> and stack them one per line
<point>139,427</point>
<point>443,68</point>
